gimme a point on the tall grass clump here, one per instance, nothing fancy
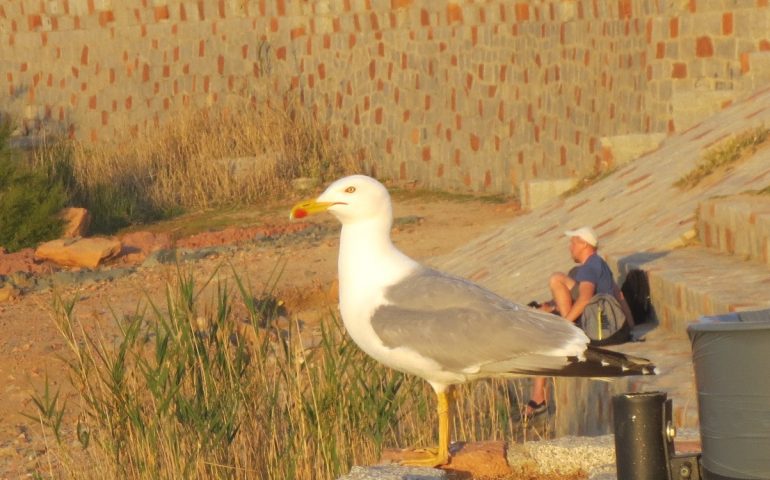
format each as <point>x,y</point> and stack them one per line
<point>217,156</point>
<point>29,199</point>
<point>725,154</point>
<point>203,389</point>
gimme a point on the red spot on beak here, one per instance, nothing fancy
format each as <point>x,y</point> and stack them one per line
<point>300,213</point>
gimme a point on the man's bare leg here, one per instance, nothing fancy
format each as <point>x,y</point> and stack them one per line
<point>561,290</point>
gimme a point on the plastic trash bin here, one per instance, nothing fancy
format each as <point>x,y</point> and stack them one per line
<point>731,359</point>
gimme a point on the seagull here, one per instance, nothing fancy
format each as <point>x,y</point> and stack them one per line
<point>444,329</point>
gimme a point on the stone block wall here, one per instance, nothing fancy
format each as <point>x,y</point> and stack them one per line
<point>466,94</point>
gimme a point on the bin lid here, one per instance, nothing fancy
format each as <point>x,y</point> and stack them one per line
<point>729,326</point>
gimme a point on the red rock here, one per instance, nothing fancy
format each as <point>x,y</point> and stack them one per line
<point>21,261</point>
<point>84,252</point>
<point>137,246</point>
<point>477,460</point>
<point>76,222</point>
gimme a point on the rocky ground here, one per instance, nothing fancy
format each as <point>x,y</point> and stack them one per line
<point>258,243</point>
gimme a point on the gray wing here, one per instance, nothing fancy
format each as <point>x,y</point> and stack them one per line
<point>463,326</point>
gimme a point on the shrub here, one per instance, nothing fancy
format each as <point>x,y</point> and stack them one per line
<point>724,155</point>
<point>29,199</point>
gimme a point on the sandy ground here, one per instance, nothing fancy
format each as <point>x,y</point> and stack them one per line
<point>31,347</point>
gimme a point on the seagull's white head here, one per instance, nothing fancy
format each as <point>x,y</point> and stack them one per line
<point>351,199</point>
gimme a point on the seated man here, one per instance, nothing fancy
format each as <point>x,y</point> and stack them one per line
<point>573,292</point>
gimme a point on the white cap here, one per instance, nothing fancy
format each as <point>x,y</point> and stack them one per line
<point>586,233</point>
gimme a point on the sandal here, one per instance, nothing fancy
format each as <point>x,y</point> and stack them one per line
<point>534,409</point>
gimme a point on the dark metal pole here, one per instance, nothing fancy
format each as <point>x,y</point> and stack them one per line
<point>641,447</point>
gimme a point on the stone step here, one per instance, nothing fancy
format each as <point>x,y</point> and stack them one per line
<point>738,225</point>
<point>691,282</point>
<point>685,284</point>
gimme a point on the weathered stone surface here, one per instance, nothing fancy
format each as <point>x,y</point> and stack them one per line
<point>84,252</point>
<point>76,222</point>
<point>536,193</point>
<point>568,455</point>
<point>621,149</point>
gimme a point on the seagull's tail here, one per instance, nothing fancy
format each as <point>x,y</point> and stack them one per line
<point>599,362</point>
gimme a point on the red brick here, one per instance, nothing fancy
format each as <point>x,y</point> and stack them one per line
<point>426,154</point>
<point>475,143</point>
<point>727,23</point>
<point>660,50</point>
<point>625,8</point>
<point>34,21</point>
<point>673,27</point>
<point>424,18</point>
<point>92,102</point>
<point>161,13</point>
<point>84,55</point>
<point>763,3</point>
<point>297,32</point>
<point>764,45</point>
<point>106,17</point>
<point>679,70</point>
<point>221,64</point>
<point>394,4</point>
<point>745,67</point>
<point>522,12</point>
<point>704,47</point>
<point>454,13</point>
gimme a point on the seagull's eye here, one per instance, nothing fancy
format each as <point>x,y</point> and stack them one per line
<point>350,189</point>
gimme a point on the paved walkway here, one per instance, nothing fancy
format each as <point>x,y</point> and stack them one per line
<point>642,220</point>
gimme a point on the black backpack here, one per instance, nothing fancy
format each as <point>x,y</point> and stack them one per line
<point>636,290</point>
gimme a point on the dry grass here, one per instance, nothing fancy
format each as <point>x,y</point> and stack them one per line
<point>202,158</point>
<point>193,389</point>
<point>725,154</point>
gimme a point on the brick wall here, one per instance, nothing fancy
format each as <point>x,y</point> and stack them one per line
<point>470,95</point>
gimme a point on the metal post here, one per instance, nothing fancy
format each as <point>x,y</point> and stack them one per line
<point>641,429</point>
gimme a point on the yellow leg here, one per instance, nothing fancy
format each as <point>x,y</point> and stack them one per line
<point>439,456</point>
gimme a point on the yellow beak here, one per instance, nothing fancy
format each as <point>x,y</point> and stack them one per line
<point>308,207</point>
